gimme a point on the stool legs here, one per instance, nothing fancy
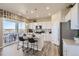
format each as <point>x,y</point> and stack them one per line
<point>23,46</point>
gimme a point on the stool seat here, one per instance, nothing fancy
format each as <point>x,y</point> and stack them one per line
<point>21,39</point>
<point>31,40</point>
<point>33,43</point>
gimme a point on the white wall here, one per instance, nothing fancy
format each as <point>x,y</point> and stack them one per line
<point>1,32</point>
<point>45,25</point>
<point>56,27</point>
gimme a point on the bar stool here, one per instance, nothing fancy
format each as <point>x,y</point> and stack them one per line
<point>22,40</point>
<point>32,41</point>
<point>25,38</point>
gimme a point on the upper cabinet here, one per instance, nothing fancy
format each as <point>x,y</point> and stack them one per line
<point>68,16</point>
<point>75,17</point>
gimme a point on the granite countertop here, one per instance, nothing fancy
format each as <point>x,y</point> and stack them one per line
<point>69,42</point>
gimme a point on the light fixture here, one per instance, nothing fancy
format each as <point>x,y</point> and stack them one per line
<point>47,8</point>
<point>35,9</point>
<point>32,11</point>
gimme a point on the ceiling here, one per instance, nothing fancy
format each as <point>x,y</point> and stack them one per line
<point>34,10</point>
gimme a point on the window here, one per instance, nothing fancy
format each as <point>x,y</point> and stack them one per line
<point>9,31</point>
<point>22,27</point>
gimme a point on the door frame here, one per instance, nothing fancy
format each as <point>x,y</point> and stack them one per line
<point>61,41</point>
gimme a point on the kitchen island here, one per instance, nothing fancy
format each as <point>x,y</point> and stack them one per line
<point>70,48</point>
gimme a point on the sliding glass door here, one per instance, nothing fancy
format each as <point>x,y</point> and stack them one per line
<point>9,31</point>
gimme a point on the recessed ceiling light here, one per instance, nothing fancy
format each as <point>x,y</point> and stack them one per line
<point>32,11</point>
<point>47,8</point>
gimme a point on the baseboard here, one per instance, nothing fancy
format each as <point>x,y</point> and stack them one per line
<point>7,45</point>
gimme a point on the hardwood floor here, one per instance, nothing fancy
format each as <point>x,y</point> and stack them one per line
<point>49,49</point>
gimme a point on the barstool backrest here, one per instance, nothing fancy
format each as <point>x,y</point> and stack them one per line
<point>33,35</point>
<point>21,39</point>
<point>24,34</point>
<point>31,40</point>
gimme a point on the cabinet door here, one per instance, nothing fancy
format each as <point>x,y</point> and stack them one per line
<point>74,17</point>
<point>68,16</point>
<point>64,51</point>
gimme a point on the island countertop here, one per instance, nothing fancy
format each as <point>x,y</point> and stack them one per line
<point>70,47</point>
<point>69,42</point>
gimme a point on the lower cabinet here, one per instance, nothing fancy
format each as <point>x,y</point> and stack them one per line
<point>71,50</point>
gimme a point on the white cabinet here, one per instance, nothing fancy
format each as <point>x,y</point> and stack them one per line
<point>65,50</point>
<point>75,17</point>
<point>71,50</point>
<point>68,16</point>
